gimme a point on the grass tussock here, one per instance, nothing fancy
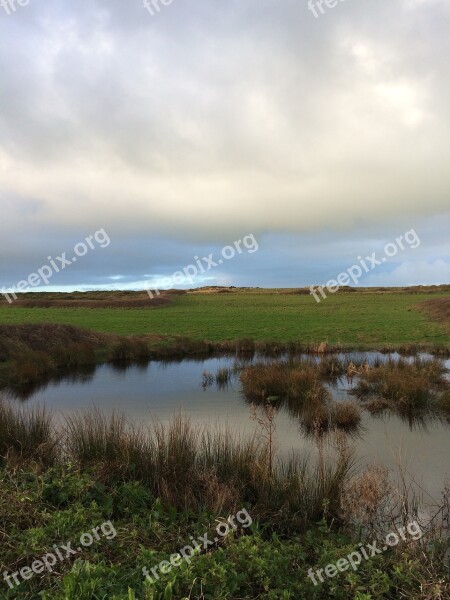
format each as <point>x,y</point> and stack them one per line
<point>223,377</point>
<point>347,414</point>
<point>331,367</point>
<point>403,384</point>
<point>288,380</point>
<point>298,385</point>
<point>129,351</point>
<point>26,435</point>
<point>316,417</point>
<point>443,401</point>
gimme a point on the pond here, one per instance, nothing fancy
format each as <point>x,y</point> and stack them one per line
<point>158,390</point>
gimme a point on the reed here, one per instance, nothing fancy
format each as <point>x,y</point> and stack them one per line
<point>402,383</point>
<point>289,380</point>
<point>26,435</point>
<point>443,401</point>
<point>129,351</point>
<point>347,415</point>
<point>315,416</point>
<point>74,355</point>
<point>223,376</point>
<point>331,367</point>
<point>207,379</point>
<point>190,467</point>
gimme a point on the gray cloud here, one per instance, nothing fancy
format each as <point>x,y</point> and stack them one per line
<point>213,119</point>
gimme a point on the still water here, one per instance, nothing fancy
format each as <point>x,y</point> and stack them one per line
<point>158,390</point>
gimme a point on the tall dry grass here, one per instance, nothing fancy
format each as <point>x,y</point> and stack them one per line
<point>26,434</point>
<point>403,384</point>
<point>191,467</point>
<point>288,379</point>
<point>298,385</point>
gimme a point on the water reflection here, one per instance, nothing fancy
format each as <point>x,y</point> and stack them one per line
<point>80,375</point>
<point>159,389</point>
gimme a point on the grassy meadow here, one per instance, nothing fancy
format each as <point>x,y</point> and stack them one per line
<point>369,319</point>
<point>159,486</point>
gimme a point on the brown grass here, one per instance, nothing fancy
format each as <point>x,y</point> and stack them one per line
<point>403,384</point>
<point>315,417</point>
<point>365,496</point>
<point>190,467</point>
<point>439,309</point>
<point>347,414</point>
<point>298,385</point>
<point>129,351</point>
<point>289,380</point>
<point>17,340</point>
<point>443,401</point>
<point>26,435</point>
<point>31,354</point>
<point>108,300</point>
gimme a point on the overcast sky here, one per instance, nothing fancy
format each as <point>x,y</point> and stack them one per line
<point>185,131</point>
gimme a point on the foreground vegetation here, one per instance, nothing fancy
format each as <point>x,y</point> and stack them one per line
<point>161,487</point>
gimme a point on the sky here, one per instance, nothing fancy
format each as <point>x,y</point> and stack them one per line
<point>183,127</point>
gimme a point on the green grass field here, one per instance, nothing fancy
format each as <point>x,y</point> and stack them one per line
<point>359,319</point>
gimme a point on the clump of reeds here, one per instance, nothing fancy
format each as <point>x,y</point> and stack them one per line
<point>245,347</point>
<point>262,380</point>
<point>316,418</point>
<point>181,347</point>
<point>289,380</point>
<point>189,467</point>
<point>366,495</point>
<point>403,383</point>
<point>274,349</point>
<point>322,348</point>
<point>347,415</point>
<point>31,367</point>
<point>223,376</point>
<point>439,350</point>
<point>184,465</point>
<point>127,351</point>
<point>92,437</point>
<point>26,434</point>
<point>443,401</point>
<point>207,379</point>
<point>331,367</point>
<point>74,355</point>
<point>409,349</point>
<point>302,383</point>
